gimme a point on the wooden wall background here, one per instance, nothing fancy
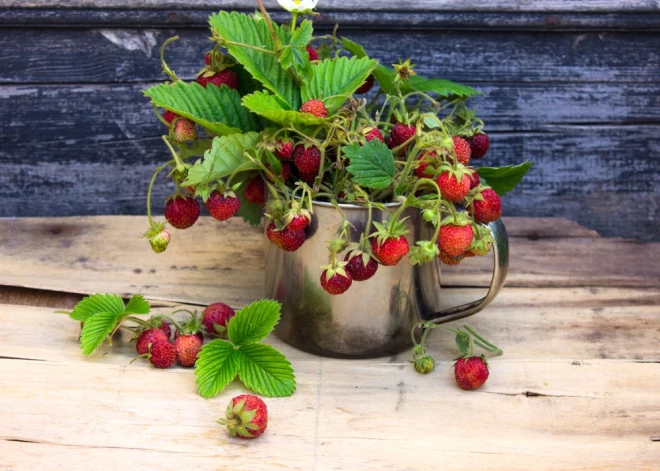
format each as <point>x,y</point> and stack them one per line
<point>572,85</point>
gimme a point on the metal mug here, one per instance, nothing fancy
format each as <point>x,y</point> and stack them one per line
<point>374,317</point>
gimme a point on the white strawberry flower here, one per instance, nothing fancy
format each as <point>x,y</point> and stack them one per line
<point>298,6</point>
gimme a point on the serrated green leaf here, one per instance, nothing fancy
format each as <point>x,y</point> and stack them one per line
<point>354,48</point>
<point>335,80</point>
<point>265,370</point>
<point>271,108</point>
<point>440,86</point>
<point>503,179</point>
<point>95,330</point>
<point>372,164</point>
<point>254,322</point>
<point>216,367</point>
<point>303,34</point>
<point>264,67</point>
<point>216,109</point>
<point>137,305</point>
<point>225,157</point>
<point>97,303</point>
<point>383,75</point>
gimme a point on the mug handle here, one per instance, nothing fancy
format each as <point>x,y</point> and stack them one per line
<point>500,269</point>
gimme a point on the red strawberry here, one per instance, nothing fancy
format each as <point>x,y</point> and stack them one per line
<point>287,171</point>
<point>307,160</point>
<point>169,116</point>
<point>336,281</point>
<point>400,134</point>
<point>255,191</point>
<point>451,188</point>
<point>312,53</point>
<point>454,240</point>
<point>150,336</point>
<point>217,314</point>
<point>424,158</point>
<point>315,108</point>
<point>462,150</point>
<point>366,86</point>
<point>471,372</point>
<point>299,222</point>
<point>184,130</point>
<point>475,181</point>
<point>357,269</point>
<point>187,349</point>
<point>162,354</point>
<point>285,239</point>
<point>181,212</point>
<point>166,328</point>
<point>224,77</point>
<point>479,143</point>
<point>284,149</point>
<point>449,260</point>
<point>222,207</point>
<point>246,417</point>
<point>207,58</point>
<point>373,133</point>
<point>199,334</point>
<point>489,208</point>
<point>391,250</point>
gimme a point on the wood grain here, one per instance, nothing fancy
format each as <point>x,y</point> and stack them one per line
<point>224,261</point>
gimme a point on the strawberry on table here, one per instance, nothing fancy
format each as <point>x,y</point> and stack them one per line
<point>471,372</point>
<point>246,417</point>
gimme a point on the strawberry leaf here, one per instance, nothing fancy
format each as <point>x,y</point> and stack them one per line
<point>270,107</point>
<point>254,322</point>
<point>503,179</point>
<point>137,305</point>
<point>260,60</point>
<point>441,87</point>
<point>265,370</point>
<point>295,54</point>
<point>225,157</point>
<point>335,80</point>
<point>250,212</point>
<point>95,304</point>
<point>96,329</point>
<point>216,109</point>
<point>372,164</point>
<point>216,367</point>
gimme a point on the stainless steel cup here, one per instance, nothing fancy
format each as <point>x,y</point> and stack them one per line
<point>374,317</point>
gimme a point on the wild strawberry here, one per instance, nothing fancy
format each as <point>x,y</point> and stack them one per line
<point>424,364</point>
<point>284,149</point>
<point>479,144</point>
<point>455,239</point>
<point>424,161</point>
<point>312,53</point>
<point>162,354</point>
<point>471,372</point>
<point>307,160</point>
<point>285,239</point>
<point>207,58</point>
<point>169,116</point>
<point>390,250</point>
<point>187,349</point>
<point>287,171</point>
<point>357,268</point>
<point>450,260</point>
<point>315,108</point>
<point>159,240</point>
<point>462,150</point>
<point>366,86</point>
<point>222,207</point>
<point>165,327</point>
<point>181,212</point>
<point>216,316</point>
<point>373,133</point>
<point>487,206</point>
<point>246,416</point>
<point>335,279</point>
<point>400,134</point>
<point>255,190</point>
<point>298,222</point>
<point>184,130</point>
<point>475,181</point>
<point>150,337</point>
<point>224,77</point>
<point>453,186</point>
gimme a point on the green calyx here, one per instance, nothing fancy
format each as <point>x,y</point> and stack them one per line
<point>425,251</point>
<point>335,268</point>
<point>392,229</point>
<point>238,420</point>
<point>461,218</point>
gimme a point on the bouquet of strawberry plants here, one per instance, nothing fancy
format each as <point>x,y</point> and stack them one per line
<point>279,118</point>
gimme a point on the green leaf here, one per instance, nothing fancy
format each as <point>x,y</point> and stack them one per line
<point>271,108</point>
<point>216,367</point>
<point>95,330</point>
<point>295,54</point>
<point>440,86</point>
<point>354,48</point>
<point>264,66</point>
<point>254,322</point>
<point>333,81</point>
<point>137,305</point>
<point>216,109</point>
<point>372,164</point>
<point>383,75</point>
<point>462,342</point>
<point>92,305</point>
<point>250,212</point>
<point>503,179</point>
<point>265,370</point>
<point>223,159</point>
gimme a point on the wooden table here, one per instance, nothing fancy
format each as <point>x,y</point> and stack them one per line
<point>578,386</point>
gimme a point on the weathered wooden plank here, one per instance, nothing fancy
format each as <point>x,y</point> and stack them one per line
<point>126,55</point>
<point>224,261</point>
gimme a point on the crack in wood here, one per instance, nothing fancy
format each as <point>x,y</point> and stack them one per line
<point>3,357</point>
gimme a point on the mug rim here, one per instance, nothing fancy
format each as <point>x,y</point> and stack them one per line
<point>392,204</point>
